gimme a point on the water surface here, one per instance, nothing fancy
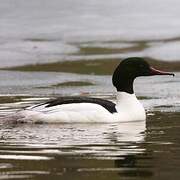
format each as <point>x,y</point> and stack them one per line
<point>71,48</point>
<point>133,150</point>
<point>62,30</point>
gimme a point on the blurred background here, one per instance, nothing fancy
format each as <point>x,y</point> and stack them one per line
<point>82,37</point>
<point>71,47</point>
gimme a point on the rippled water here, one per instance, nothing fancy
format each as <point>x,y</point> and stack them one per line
<point>71,48</point>
<point>129,150</point>
<point>134,150</point>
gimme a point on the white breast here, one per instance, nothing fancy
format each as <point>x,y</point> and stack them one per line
<point>128,109</point>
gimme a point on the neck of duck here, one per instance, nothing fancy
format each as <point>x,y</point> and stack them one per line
<point>128,105</point>
<point>126,85</point>
<point>124,98</point>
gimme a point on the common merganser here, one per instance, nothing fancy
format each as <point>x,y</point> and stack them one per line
<point>89,110</point>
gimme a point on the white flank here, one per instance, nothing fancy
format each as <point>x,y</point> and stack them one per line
<point>127,106</point>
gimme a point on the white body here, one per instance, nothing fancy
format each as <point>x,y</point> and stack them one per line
<point>127,106</point>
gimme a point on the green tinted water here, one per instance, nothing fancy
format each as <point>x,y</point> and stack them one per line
<point>135,150</point>
<point>72,48</point>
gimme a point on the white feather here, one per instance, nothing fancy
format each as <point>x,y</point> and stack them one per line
<point>127,106</point>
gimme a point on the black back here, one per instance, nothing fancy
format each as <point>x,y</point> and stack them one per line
<point>110,106</point>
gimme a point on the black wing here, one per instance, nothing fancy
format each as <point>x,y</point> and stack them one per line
<point>110,106</point>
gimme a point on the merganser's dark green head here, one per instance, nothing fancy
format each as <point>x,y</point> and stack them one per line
<point>131,68</point>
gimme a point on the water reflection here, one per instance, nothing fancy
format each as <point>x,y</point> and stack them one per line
<point>71,148</point>
<point>127,150</point>
<point>104,151</point>
<point>86,136</point>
